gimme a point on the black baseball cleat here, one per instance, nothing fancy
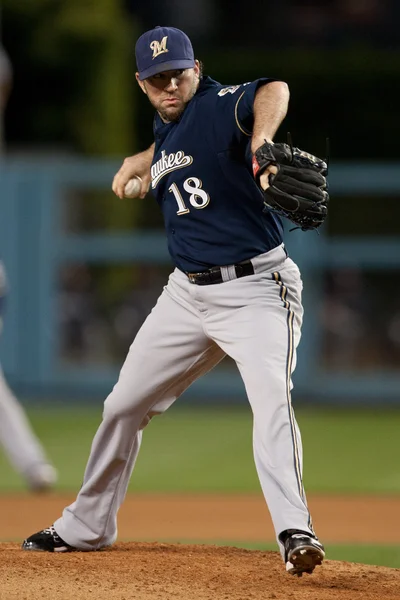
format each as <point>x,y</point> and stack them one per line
<point>303,552</point>
<point>46,540</point>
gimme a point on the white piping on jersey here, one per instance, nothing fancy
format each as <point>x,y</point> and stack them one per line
<point>168,163</point>
<point>236,117</point>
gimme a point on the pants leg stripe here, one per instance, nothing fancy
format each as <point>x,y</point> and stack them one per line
<point>289,363</point>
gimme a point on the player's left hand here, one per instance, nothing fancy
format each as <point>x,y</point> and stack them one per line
<point>293,183</point>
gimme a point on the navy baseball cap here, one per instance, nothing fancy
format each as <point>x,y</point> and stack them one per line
<point>163,49</point>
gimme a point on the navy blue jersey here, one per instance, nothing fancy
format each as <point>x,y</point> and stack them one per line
<point>203,182</point>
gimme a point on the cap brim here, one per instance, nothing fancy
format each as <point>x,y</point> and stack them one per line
<point>184,63</point>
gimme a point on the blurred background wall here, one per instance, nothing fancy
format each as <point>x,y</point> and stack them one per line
<point>85,268</point>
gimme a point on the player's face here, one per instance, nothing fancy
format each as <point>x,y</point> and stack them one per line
<point>170,91</point>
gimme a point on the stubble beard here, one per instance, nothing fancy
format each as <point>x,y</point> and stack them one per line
<point>173,114</point>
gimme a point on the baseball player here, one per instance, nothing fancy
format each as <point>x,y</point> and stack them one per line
<point>221,184</point>
<point>16,436</point>
<point>5,89</point>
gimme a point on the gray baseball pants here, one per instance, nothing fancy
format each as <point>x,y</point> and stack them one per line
<point>256,320</point>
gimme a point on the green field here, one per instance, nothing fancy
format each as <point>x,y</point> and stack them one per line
<point>209,450</point>
<point>350,451</point>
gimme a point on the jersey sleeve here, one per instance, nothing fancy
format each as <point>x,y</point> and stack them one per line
<point>232,109</point>
<point>244,115</point>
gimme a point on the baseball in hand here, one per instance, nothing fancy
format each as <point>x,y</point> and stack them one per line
<point>133,187</point>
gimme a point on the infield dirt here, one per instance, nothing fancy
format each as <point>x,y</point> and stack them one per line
<point>156,570</point>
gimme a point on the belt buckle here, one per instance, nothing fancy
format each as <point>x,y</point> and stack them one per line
<point>192,277</point>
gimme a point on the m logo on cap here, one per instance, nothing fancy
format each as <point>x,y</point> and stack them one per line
<point>159,47</point>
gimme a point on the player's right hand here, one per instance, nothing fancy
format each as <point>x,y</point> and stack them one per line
<point>264,178</point>
<point>133,165</point>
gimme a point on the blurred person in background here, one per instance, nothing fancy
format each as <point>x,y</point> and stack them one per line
<point>22,447</point>
<point>5,89</point>
<point>20,443</point>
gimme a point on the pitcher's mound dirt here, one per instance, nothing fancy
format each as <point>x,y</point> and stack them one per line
<point>155,571</point>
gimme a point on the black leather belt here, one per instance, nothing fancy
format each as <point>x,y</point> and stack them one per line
<point>214,275</point>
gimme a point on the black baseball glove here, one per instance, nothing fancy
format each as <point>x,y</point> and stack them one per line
<point>298,191</point>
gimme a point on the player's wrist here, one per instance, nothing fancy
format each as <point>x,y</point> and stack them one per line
<point>258,140</point>
<point>263,157</point>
